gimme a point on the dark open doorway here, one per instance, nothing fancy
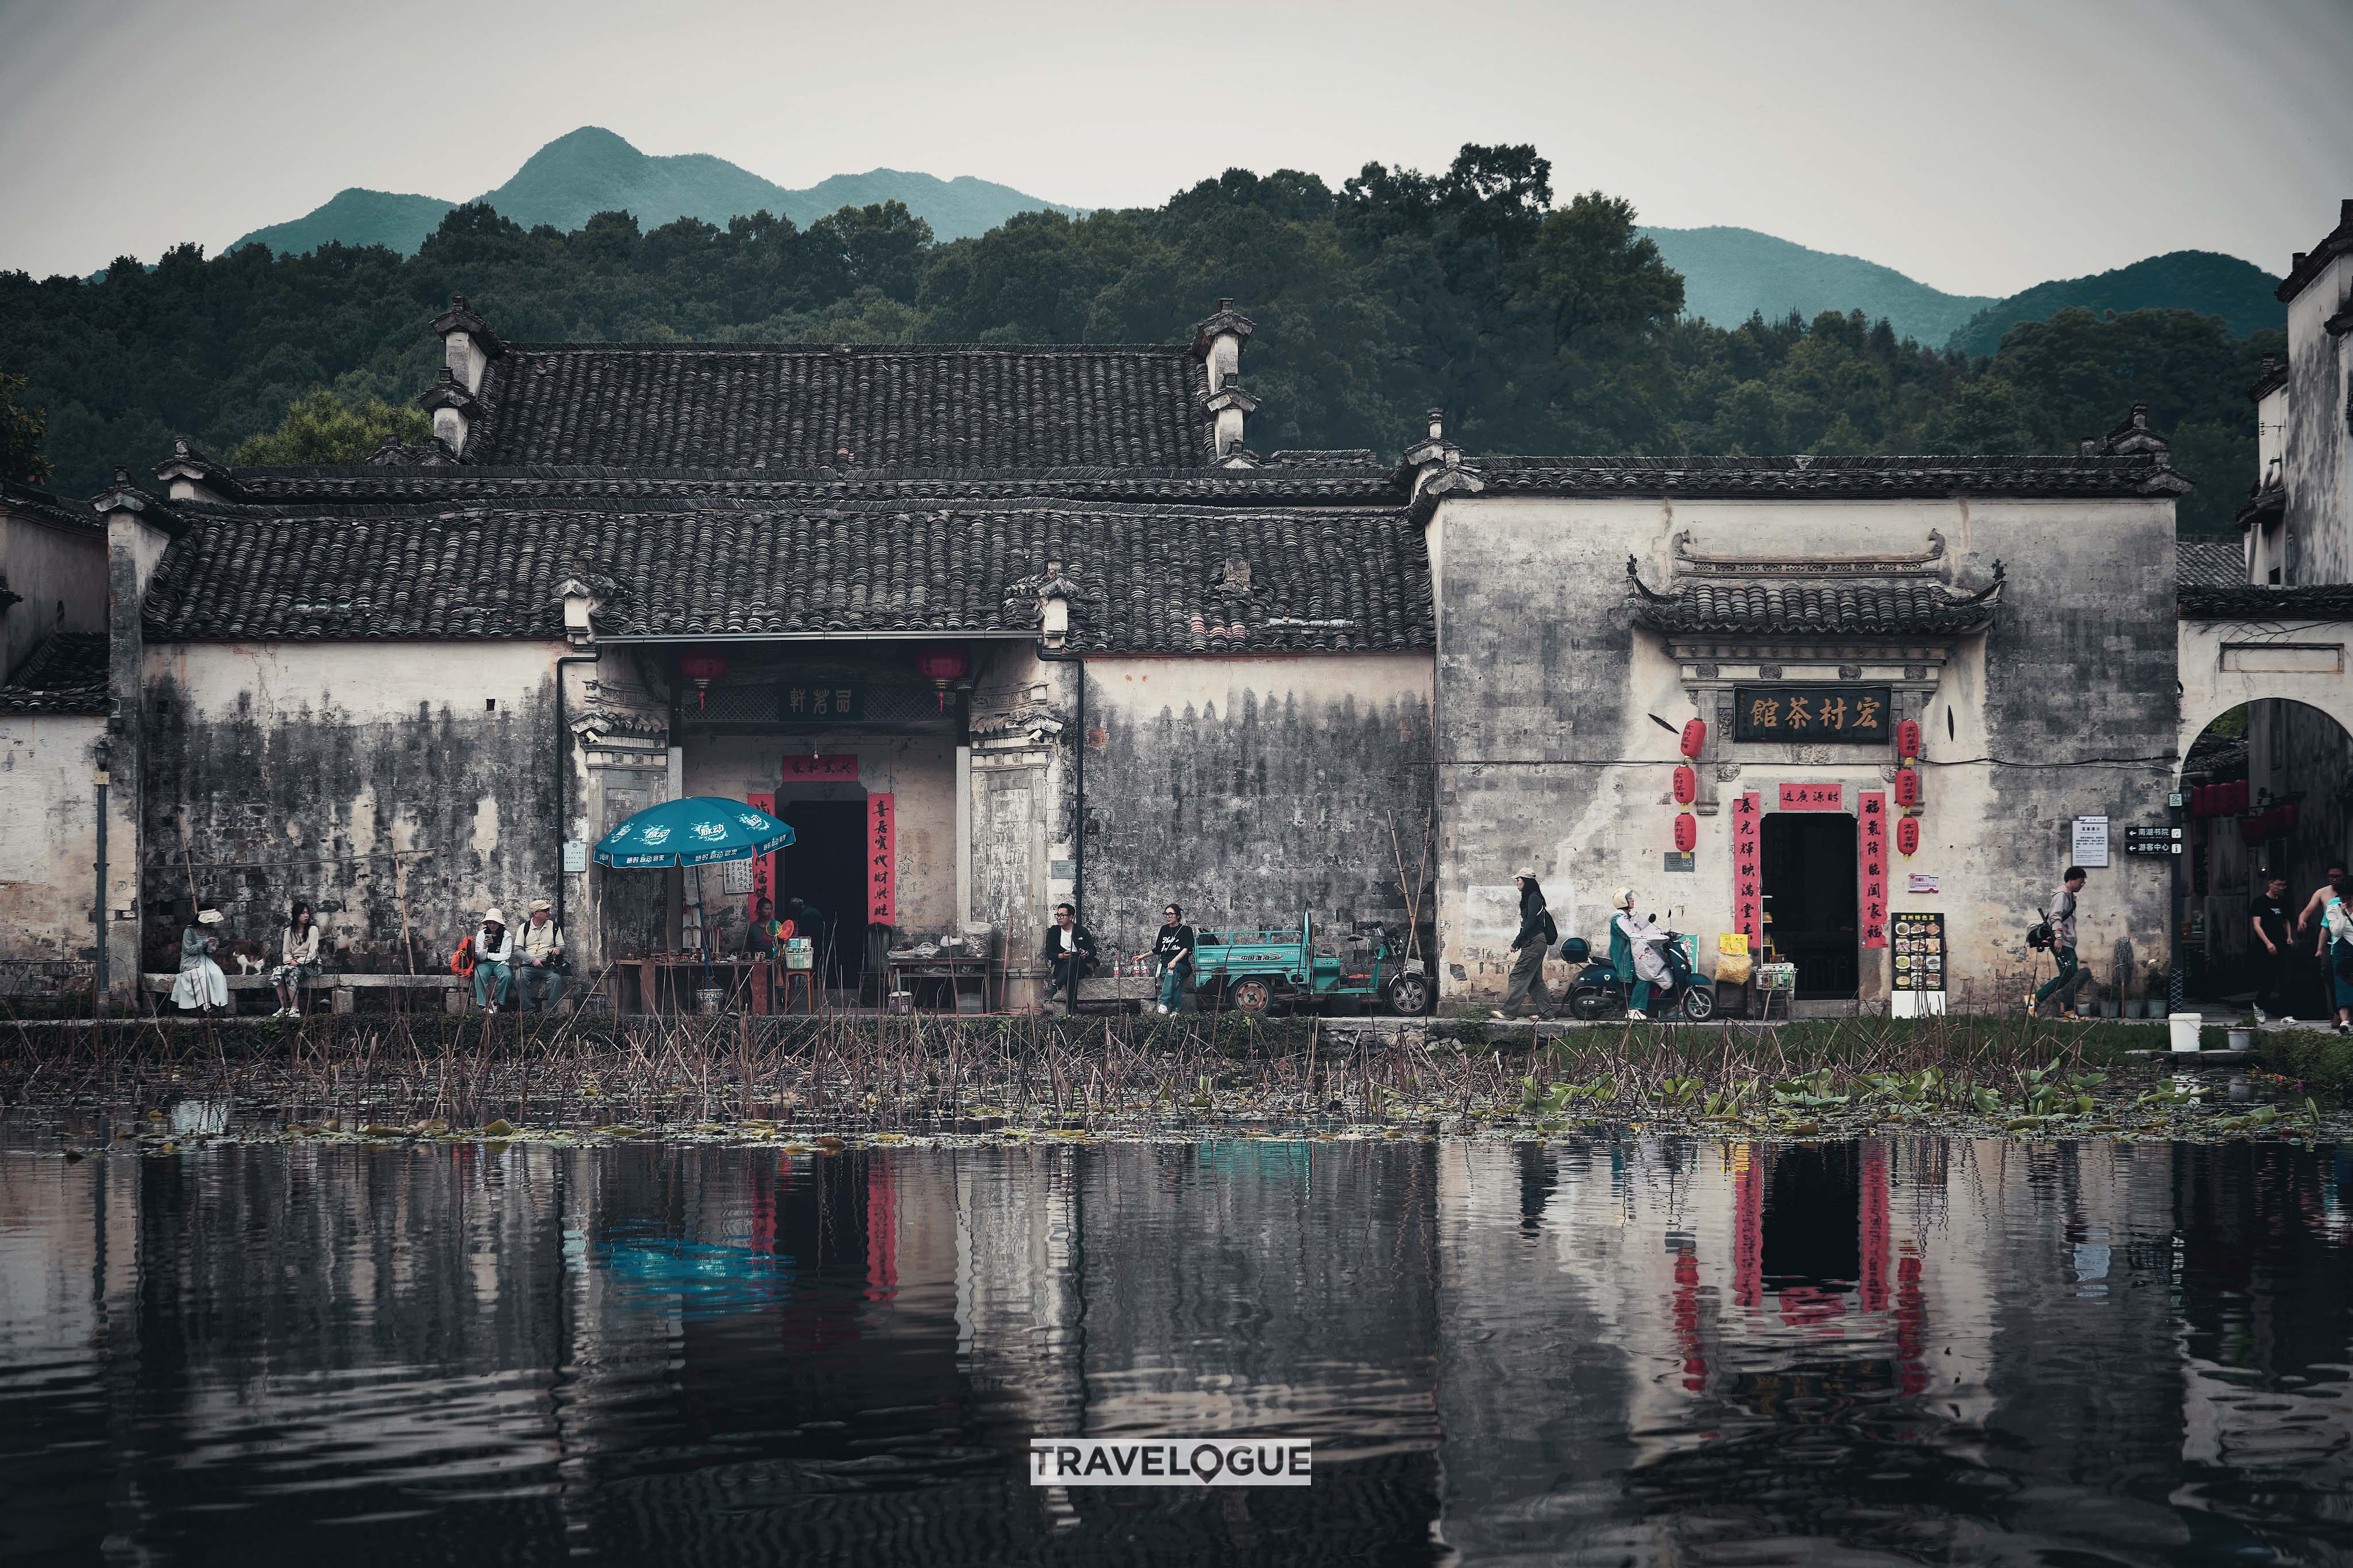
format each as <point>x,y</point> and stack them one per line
<point>826,864</point>
<point>1808,863</point>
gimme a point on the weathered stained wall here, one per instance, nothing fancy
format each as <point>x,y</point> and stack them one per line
<point>1022,804</point>
<point>2319,446</point>
<point>1249,790</point>
<point>300,768</point>
<point>60,576</point>
<point>49,835</point>
<point>1546,697</point>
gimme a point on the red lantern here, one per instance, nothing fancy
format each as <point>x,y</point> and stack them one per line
<point>1694,737</point>
<point>702,667</point>
<point>1686,784</point>
<point>1907,739</point>
<point>1686,831</point>
<point>2239,799</point>
<point>1907,834</point>
<point>940,665</point>
<point>1907,787</point>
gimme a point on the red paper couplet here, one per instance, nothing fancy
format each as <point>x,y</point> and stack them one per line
<point>1747,906</point>
<point>1871,857</point>
<point>831,765</point>
<point>882,860</point>
<point>764,869</point>
<point>1813,797</point>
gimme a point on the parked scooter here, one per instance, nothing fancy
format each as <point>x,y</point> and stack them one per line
<point>1595,992</point>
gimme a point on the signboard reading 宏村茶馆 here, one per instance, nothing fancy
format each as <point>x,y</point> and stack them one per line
<point>1818,713</point>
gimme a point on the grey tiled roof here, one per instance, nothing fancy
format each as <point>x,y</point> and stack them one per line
<point>1151,578</point>
<point>1344,478</point>
<point>37,503</point>
<point>2311,602</point>
<point>797,406</point>
<point>1830,477</point>
<point>66,674</point>
<point>1831,607</point>
<point>2209,564</point>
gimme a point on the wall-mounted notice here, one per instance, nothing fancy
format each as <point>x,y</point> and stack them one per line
<point>2091,842</point>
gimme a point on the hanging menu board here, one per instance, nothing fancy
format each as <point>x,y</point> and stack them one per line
<point>1919,952</point>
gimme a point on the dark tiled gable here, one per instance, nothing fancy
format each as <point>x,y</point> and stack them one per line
<point>1864,608</point>
<point>66,674</point>
<point>794,406</point>
<point>1151,579</point>
<point>1830,477</point>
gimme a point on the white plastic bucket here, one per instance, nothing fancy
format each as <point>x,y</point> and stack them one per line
<point>2185,1029</point>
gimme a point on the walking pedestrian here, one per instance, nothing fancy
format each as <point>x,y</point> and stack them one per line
<point>2275,931</point>
<point>1537,933</point>
<point>1635,953</point>
<point>2309,919</point>
<point>297,961</point>
<point>543,963</point>
<point>1172,954</point>
<point>2336,936</point>
<point>2061,914</point>
<point>1069,953</point>
<point>493,961</point>
<point>201,986</point>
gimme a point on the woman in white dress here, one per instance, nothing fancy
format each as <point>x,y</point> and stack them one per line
<point>201,983</point>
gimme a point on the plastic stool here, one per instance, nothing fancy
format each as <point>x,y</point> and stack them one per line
<point>800,977</point>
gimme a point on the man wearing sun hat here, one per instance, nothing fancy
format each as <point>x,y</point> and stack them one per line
<point>543,965</point>
<point>493,961</point>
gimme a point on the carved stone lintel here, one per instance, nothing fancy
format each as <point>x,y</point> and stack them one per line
<point>1705,671</point>
<point>1849,672</point>
<point>1726,771</point>
<point>1916,672</point>
<point>1768,672</point>
<point>1813,756</point>
<point>1887,773</point>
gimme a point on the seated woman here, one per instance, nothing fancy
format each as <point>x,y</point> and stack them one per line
<point>493,961</point>
<point>297,961</point>
<point>201,986</point>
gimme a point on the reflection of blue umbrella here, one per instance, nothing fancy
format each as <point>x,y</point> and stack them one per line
<point>700,830</point>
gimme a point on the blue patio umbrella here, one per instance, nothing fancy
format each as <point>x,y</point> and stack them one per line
<point>700,830</point>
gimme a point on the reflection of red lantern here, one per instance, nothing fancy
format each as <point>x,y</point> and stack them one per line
<point>703,669</point>
<point>1908,740</point>
<point>1907,787</point>
<point>1686,832</point>
<point>940,665</point>
<point>1694,737</point>
<point>1686,785</point>
<point>1907,834</point>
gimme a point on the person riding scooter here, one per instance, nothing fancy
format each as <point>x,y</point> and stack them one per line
<point>1637,952</point>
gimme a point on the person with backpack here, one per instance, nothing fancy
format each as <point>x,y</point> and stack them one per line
<point>2336,944</point>
<point>2060,919</point>
<point>1537,934</point>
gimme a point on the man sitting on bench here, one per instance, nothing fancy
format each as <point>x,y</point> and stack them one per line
<point>1069,955</point>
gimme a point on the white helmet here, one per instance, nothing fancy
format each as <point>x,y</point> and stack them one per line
<point>1622,899</point>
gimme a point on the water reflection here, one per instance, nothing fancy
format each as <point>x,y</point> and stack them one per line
<point>1616,1351</point>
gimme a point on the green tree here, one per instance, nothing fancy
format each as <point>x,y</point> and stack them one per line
<point>22,428</point>
<point>322,428</point>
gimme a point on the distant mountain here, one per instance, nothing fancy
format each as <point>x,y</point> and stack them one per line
<point>1731,274</point>
<point>592,171</point>
<point>357,216</point>
<point>2238,291</point>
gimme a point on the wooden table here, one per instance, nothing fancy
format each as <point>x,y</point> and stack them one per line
<point>954,968</point>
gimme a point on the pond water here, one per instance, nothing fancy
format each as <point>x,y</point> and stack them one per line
<point>1907,1349</point>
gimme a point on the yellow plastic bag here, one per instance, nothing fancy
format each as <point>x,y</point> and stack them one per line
<point>1734,968</point>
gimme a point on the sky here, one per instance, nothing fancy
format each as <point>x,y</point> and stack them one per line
<point>1979,147</point>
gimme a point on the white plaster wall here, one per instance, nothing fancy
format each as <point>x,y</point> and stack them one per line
<point>2319,448</point>
<point>50,566</point>
<point>1524,775</point>
<point>48,831</point>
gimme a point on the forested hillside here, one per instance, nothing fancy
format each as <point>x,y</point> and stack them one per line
<point>1537,326</point>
